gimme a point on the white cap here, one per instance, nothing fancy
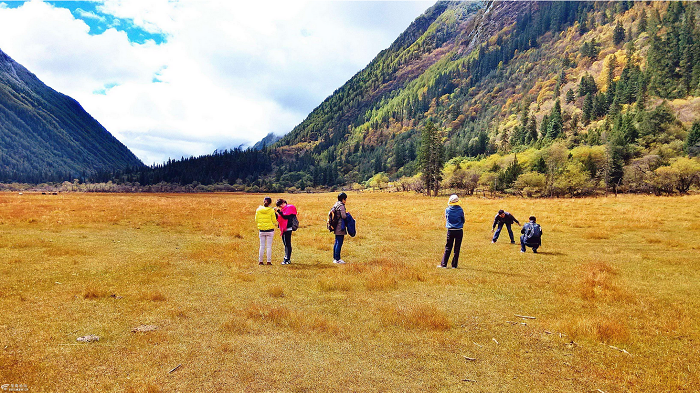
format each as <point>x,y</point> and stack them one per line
<point>454,198</point>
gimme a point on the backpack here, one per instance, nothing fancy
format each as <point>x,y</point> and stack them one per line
<point>294,223</point>
<point>533,232</point>
<point>333,218</point>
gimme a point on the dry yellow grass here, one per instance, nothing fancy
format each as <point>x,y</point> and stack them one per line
<point>615,292</point>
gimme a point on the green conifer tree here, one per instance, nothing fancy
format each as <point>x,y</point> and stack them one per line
<point>616,160</point>
<point>692,141</point>
<point>540,165</point>
<point>618,34</point>
<point>587,109</point>
<point>570,96</point>
<point>399,155</point>
<point>555,124</point>
<point>531,133</point>
<point>642,25</point>
<point>431,157</point>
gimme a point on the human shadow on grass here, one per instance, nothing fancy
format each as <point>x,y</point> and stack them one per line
<point>553,253</point>
<point>503,273</point>
<point>314,266</point>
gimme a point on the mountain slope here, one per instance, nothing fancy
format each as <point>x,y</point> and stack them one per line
<point>268,140</point>
<point>45,135</point>
<point>484,72</point>
<point>407,58</point>
<point>619,81</point>
<point>445,53</point>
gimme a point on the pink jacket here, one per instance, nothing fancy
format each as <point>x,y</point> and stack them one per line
<point>287,210</point>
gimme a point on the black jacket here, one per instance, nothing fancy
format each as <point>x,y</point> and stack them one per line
<point>508,219</point>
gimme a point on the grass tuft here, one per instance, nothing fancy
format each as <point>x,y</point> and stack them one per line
<point>277,315</point>
<point>380,281</point>
<point>237,325</point>
<point>597,283</point>
<point>596,235</point>
<point>92,292</point>
<point>281,317</point>
<point>275,291</point>
<point>356,268</point>
<point>323,325</point>
<point>330,284</point>
<point>602,329</point>
<point>154,296</point>
<point>608,330</point>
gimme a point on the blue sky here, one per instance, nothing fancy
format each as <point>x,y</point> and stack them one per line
<point>90,12</point>
<point>174,78</point>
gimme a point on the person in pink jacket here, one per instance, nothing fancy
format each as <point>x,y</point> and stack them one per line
<point>286,214</point>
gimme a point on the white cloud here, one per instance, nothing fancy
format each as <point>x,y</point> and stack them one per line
<point>89,15</point>
<point>154,16</point>
<point>228,73</point>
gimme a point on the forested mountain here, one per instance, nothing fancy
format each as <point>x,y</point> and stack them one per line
<point>268,140</point>
<point>48,136</point>
<point>570,95</point>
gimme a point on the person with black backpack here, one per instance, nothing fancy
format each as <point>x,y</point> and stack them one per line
<point>288,222</point>
<point>335,216</point>
<point>531,235</point>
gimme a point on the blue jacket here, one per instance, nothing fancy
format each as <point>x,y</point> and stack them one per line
<point>534,240</point>
<point>348,223</point>
<point>454,217</point>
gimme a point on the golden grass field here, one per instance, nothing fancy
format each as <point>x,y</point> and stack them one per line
<point>615,291</point>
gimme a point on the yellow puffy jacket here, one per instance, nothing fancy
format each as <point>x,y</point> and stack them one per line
<point>265,218</point>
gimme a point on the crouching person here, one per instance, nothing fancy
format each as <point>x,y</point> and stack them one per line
<point>531,235</point>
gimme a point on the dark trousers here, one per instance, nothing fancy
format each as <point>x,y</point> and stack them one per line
<point>338,246</point>
<point>454,236</point>
<point>534,246</point>
<point>498,232</point>
<point>287,241</point>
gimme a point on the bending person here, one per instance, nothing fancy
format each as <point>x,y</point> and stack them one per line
<point>285,215</point>
<point>503,217</point>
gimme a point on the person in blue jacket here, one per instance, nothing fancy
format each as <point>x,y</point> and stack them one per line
<point>532,235</point>
<point>454,221</point>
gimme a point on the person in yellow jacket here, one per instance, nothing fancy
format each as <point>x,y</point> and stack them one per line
<point>266,221</point>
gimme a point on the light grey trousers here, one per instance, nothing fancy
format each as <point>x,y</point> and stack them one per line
<point>266,244</point>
